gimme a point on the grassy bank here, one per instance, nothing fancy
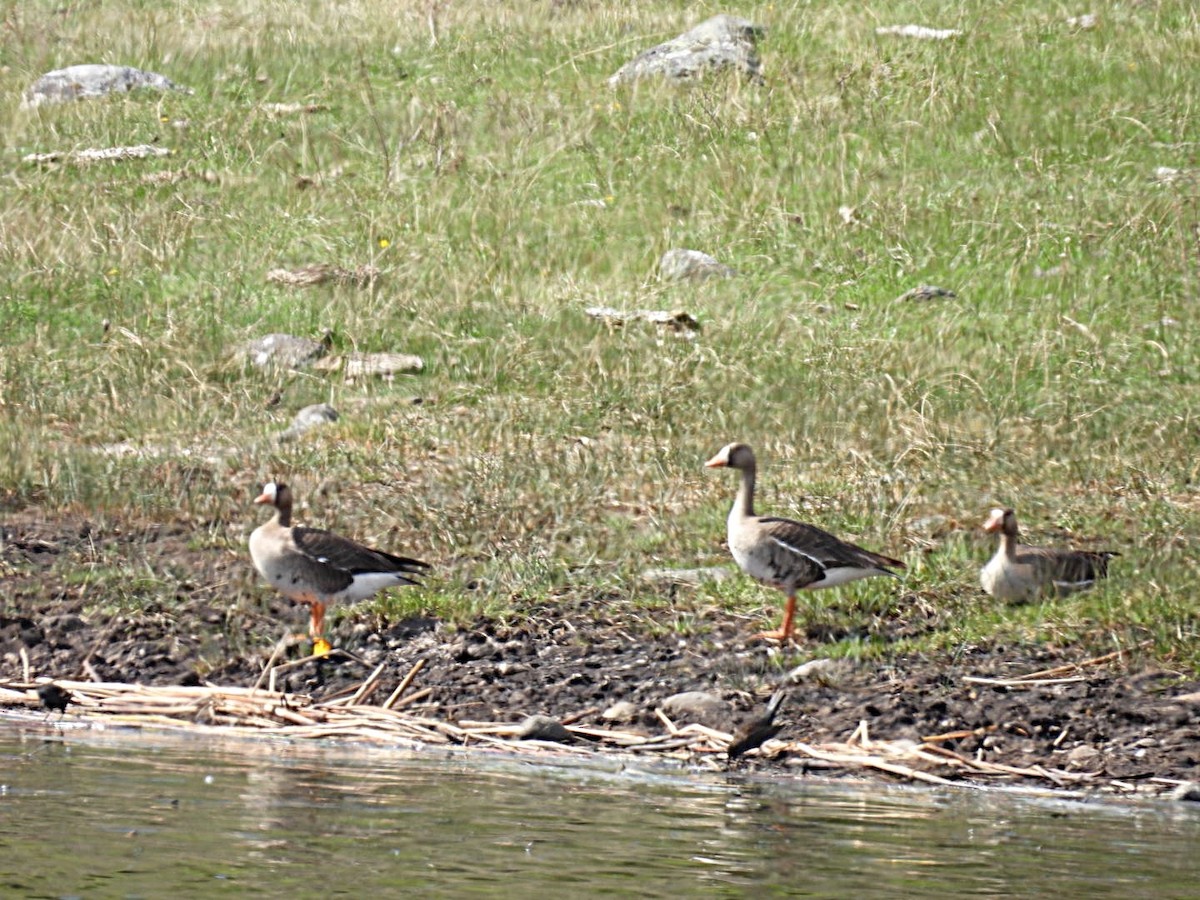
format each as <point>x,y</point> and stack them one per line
<point>458,151</point>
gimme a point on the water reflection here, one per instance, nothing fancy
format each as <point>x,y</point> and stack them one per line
<point>130,817</point>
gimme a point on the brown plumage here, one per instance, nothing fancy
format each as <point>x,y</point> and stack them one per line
<point>317,568</point>
<point>785,554</point>
<point>1020,572</point>
<point>758,730</point>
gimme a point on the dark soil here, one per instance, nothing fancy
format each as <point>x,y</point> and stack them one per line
<point>147,605</point>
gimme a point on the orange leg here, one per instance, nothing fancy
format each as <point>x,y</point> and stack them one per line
<point>316,629</point>
<point>785,629</point>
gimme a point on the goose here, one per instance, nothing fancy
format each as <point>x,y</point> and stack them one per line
<point>1018,572</point>
<point>315,567</point>
<point>785,554</point>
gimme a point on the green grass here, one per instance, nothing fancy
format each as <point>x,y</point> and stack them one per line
<point>1013,165</point>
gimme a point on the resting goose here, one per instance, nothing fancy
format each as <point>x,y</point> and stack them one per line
<point>1018,572</point>
<point>317,568</point>
<point>785,554</point>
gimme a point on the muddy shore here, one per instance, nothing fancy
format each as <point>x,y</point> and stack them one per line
<point>1125,720</point>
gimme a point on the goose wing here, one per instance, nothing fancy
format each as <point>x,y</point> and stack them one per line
<point>1067,570</point>
<point>800,548</point>
<point>339,559</point>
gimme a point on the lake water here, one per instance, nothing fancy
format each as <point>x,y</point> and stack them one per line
<point>86,814</point>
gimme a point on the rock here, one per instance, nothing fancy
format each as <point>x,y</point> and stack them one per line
<point>1188,792</point>
<point>717,43</point>
<point>291,109</point>
<point>95,154</point>
<point>82,82</point>
<point>691,265</point>
<point>386,365</point>
<point>818,670</point>
<point>1169,175</point>
<point>284,351</point>
<point>697,706</point>
<point>323,273</point>
<point>308,418</point>
<point>925,292</point>
<point>686,577</point>
<point>1083,756</point>
<point>1192,699</point>
<point>544,728</point>
<point>676,320</point>
<point>621,711</point>
<point>920,32</point>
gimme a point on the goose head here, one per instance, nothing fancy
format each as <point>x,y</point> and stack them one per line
<point>1002,520</point>
<point>275,493</point>
<point>735,456</point>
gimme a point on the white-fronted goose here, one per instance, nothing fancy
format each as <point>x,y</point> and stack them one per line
<point>1018,572</point>
<point>317,568</point>
<point>788,555</point>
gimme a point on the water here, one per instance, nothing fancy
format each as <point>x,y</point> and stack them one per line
<point>88,815</point>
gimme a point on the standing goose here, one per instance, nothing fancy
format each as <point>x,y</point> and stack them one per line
<point>314,567</point>
<point>1018,572</point>
<point>786,554</point>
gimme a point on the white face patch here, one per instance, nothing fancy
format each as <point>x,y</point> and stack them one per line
<point>270,490</point>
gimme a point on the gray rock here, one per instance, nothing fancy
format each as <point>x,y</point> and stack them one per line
<point>698,706</point>
<point>822,671</point>
<point>920,32</point>
<point>94,154</point>
<point>677,320</point>
<point>1188,792</point>
<point>544,728</point>
<point>1083,756</point>
<point>309,418</point>
<point>691,265</point>
<point>686,577</point>
<point>284,351</point>
<point>81,82</point>
<point>718,43</point>
<point>925,292</point>
<point>357,365</point>
<point>621,711</point>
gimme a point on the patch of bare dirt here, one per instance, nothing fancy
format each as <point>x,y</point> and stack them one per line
<point>152,605</point>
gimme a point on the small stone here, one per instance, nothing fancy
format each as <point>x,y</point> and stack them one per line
<point>698,706</point>
<point>84,81</point>
<point>504,668</point>
<point>718,43</point>
<point>1188,792</point>
<point>1082,756</point>
<point>920,32</point>
<point>96,154</point>
<point>677,320</point>
<point>925,292</point>
<point>309,418</point>
<point>818,670</point>
<point>385,365</point>
<point>691,265</point>
<point>544,728</point>
<point>323,273</point>
<point>284,350</point>
<point>621,711</point>
<point>686,577</point>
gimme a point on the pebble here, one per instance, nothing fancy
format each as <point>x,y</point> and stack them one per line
<point>1188,792</point>
<point>720,42</point>
<point>691,265</point>
<point>544,728</point>
<point>621,711</point>
<point>698,706</point>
